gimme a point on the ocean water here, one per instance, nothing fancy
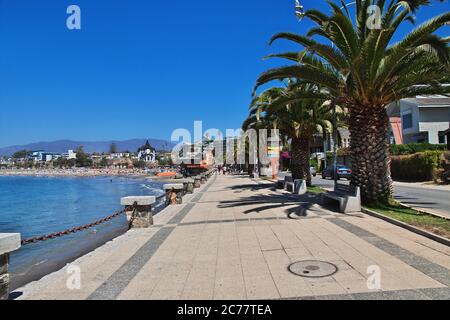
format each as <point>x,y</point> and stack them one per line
<point>35,206</point>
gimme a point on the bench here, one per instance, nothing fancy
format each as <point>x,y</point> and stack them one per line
<point>297,186</point>
<point>288,183</point>
<point>300,186</point>
<point>174,193</point>
<point>280,183</point>
<point>349,198</point>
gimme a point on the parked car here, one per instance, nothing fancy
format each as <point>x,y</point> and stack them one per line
<point>446,177</point>
<point>341,171</point>
<point>313,171</point>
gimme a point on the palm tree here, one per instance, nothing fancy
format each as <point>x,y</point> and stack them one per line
<point>255,121</point>
<point>298,120</point>
<point>364,70</point>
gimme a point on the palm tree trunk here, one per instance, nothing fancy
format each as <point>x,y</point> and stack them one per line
<point>300,159</point>
<point>250,169</point>
<point>369,148</point>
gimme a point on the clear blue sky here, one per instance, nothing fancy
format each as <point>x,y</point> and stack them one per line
<point>137,68</point>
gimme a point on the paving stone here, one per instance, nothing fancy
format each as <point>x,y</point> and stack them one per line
<point>437,293</point>
<point>406,295</point>
<point>370,296</point>
<point>336,297</point>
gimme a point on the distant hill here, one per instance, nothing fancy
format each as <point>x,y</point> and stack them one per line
<point>61,146</point>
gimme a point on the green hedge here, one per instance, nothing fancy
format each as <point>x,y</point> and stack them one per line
<point>412,148</point>
<point>416,167</point>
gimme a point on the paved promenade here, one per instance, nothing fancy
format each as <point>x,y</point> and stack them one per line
<point>235,238</point>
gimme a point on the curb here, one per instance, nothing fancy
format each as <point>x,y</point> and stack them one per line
<point>424,211</point>
<point>409,227</point>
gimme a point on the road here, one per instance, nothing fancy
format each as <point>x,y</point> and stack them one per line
<point>434,199</point>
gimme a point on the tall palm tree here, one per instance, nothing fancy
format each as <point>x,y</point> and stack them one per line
<point>298,120</point>
<point>257,121</point>
<point>364,70</point>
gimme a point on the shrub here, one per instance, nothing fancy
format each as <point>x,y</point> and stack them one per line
<point>416,167</point>
<point>412,148</point>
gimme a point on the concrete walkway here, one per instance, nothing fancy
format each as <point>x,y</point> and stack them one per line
<point>235,240</point>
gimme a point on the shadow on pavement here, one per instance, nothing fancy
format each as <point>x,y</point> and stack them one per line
<point>294,205</point>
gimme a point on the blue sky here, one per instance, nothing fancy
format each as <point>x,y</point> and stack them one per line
<point>137,68</point>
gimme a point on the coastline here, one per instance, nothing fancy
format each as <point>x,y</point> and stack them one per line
<point>78,172</point>
<point>132,239</point>
<point>84,246</point>
<point>86,241</point>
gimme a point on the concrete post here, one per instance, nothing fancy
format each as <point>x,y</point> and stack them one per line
<point>8,242</point>
<point>190,186</point>
<point>174,193</point>
<point>197,182</point>
<point>202,178</point>
<point>143,217</point>
<point>185,183</point>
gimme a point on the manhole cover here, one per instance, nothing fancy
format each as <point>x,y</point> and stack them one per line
<point>313,269</point>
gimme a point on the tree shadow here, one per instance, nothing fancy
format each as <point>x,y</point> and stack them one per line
<point>253,187</point>
<point>294,205</point>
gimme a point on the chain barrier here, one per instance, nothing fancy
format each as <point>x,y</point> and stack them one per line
<point>86,226</point>
<point>72,230</point>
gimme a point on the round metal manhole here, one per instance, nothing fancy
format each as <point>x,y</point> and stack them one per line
<point>313,269</point>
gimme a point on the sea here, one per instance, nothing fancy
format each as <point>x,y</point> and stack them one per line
<point>35,206</point>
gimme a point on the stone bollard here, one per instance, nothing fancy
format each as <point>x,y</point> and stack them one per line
<point>143,217</point>
<point>174,193</point>
<point>190,186</point>
<point>197,181</point>
<point>202,178</point>
<point>185,185</point>
<point>178,176</point>
<point>8,242</point>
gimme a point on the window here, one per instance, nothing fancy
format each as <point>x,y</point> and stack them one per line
<point>442,137</point>
<point>407,121</point>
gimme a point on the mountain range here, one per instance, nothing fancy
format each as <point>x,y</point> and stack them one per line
<point>61,146</point>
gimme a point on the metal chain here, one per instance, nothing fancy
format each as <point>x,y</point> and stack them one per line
<point>133,216</point>
<point>72,230</point>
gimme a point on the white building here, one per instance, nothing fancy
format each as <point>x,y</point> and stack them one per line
<point>147,155</point>
<point>71,155</point>
<point>44,156</point>
<point>423,118</point>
